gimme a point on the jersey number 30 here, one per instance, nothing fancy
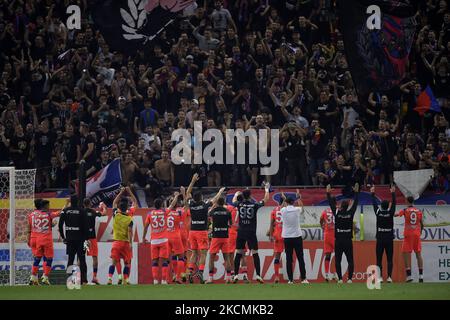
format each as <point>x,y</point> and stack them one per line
<point>330,218</point>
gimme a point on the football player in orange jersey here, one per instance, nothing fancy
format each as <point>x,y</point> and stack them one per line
<point>221,221</point>
<point>176,248</point>
<point>274,234</point>
<point>198,234</point>
<point>158,221</point>
<point>327,224</point>
<point>39,239</point>
<point>411,240</point>
<point>185,226</point>
<point>122,247</point>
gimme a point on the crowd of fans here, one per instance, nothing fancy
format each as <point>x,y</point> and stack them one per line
<point>233,64</point>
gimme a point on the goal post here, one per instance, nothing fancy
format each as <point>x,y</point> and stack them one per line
<point>12,225</point>
<point>17,189</point>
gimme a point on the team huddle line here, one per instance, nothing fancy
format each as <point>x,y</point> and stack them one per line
<point>187,227</point>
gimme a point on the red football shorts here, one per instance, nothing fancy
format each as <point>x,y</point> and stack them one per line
<point>121,250</point>
<point>32,245</point>
<point>43,247</point>
<point>219,244</point>
<point>278,245</point>
<point>232,236</point>
<point>184,240</point>
<point>411,243</point>
<point>175,244</point>
<point>160,250</point>
<point>93,248</point>
<point>198,239</point>
<point>328,243</point>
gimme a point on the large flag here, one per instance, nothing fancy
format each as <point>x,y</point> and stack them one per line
<point>104,185</point>
<point>129,25</point>
<point>427,102</point>
<point>377,58</point>
<point>414,182</point>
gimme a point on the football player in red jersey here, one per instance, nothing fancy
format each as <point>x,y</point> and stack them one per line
<point>157,219</point>
<point>39,239</point>
<point>176,248</point>
<point>274,234</point>
<point>327,224</point>
<point>411,234</point>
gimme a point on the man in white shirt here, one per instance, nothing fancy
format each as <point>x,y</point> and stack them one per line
<point>292,235</point>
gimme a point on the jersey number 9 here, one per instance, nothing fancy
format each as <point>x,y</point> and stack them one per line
<point>413,218</point>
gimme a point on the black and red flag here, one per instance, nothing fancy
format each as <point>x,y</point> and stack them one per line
<point>377,58</point>
<point>129,25</point>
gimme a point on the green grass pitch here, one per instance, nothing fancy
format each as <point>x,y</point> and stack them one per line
<point>233,291</point>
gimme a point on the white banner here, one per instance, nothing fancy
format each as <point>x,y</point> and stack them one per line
<point>414,182</point>
<point>436,262</point>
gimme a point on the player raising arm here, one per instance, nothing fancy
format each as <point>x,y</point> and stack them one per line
<point>157,220</point>
<point>134,201</point>
<point>39,239</point>
<point>232,235</point>
<point>221,222</point>
<point>411,233</point>
<point>247,210</point>
<point>175,219</point>
<point>274,234</point>
<point>327,224</point>
<point>385,232</point>
<point>185,225</point>
<point>123,238</point>
<point>198,234</point>
<point>92,237</point>
<point>343,219</point>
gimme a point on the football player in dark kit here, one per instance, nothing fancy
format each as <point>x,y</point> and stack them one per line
<point>385,232</point>
<point>198,234</point>
<point>74,230</point>
<point>247,210</point>
<point>221,222</point>
<point>92,248</point>
<point>343,231</point>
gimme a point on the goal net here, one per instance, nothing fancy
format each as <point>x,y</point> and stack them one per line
<point>16,202</point>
